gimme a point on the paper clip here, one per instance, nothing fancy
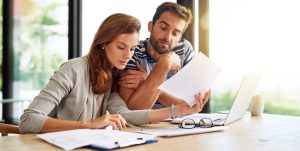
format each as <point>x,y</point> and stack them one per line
<point>130,142</point>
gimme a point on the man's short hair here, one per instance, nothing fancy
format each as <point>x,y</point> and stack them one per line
<point>174,8</point>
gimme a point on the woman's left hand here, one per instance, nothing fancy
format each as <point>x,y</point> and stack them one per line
<point>184,108</point>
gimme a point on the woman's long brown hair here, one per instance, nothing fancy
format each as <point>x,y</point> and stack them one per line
<point>101,72</point>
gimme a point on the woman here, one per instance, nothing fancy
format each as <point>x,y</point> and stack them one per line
<point>78,95</point>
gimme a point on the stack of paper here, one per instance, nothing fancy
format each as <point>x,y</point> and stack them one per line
<point>99,139</point>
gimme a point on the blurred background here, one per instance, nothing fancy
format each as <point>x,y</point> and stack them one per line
<point>240,36</point>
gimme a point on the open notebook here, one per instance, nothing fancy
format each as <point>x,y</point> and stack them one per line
<point>239,106</point>
<point>99,139</point>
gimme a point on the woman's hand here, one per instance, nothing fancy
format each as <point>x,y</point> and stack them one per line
<point>184,109</point>
<point>115,120</point>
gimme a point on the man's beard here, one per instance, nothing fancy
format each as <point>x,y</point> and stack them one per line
<point>157,48</point>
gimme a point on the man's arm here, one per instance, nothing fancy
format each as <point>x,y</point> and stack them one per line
<point>167,99</point>
<point>146,94</point>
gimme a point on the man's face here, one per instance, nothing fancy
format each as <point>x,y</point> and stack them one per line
<point>166,32</point>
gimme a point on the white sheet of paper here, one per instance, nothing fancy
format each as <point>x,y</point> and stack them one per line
<point>197,76</point>
<point>101,138</point>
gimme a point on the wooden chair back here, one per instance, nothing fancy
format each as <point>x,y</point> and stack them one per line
<point>6,129</point>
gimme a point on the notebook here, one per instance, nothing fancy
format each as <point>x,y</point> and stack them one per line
<point>99,139</point>
<point>239,106</point>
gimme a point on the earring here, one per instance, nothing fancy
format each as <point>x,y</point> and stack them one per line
<point>102,47</point>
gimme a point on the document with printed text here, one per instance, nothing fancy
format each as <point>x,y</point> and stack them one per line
<point>197,76</point>
<point>96,139</point>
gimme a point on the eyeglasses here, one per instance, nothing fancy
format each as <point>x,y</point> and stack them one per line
<point>190,123</point>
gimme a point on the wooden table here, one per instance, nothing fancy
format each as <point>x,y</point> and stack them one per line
<point>262,133</point>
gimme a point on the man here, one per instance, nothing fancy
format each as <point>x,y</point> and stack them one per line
<point>157,59</point>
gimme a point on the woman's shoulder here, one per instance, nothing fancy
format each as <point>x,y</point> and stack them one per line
<point>75,65</point>
<point>80,61</point>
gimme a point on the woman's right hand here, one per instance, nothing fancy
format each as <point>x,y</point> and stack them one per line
<point>115,120</point>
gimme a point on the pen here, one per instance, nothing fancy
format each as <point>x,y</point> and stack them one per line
<point>109,127</point>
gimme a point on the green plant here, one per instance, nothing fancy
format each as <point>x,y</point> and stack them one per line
<point>38,26</point>
<point>273,104</point>
<point>282,107</point>
<point>223,101</point>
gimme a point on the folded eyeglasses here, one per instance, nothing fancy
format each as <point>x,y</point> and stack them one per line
<point>189,123</point>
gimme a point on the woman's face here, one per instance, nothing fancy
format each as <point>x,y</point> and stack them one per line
<point>120,50</point>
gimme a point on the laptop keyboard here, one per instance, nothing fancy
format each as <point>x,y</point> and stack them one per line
<point>175,131</point>
<point>213,116</point>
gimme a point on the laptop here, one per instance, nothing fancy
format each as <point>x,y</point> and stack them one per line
<point>176,131</point>
<point>238,108</point>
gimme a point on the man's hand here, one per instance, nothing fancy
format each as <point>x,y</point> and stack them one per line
<point>173,59</point>
<point>133,78</point>
<point>170,57</point>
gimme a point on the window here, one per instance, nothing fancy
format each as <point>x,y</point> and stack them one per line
<point>40,45</point>
<point>94,12</point>
<point>1,30</point>
<point>261,35</point>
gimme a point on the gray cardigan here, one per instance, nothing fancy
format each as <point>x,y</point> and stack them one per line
<point>69,96</point>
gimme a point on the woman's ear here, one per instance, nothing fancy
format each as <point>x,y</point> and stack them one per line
<point>103,46</point>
